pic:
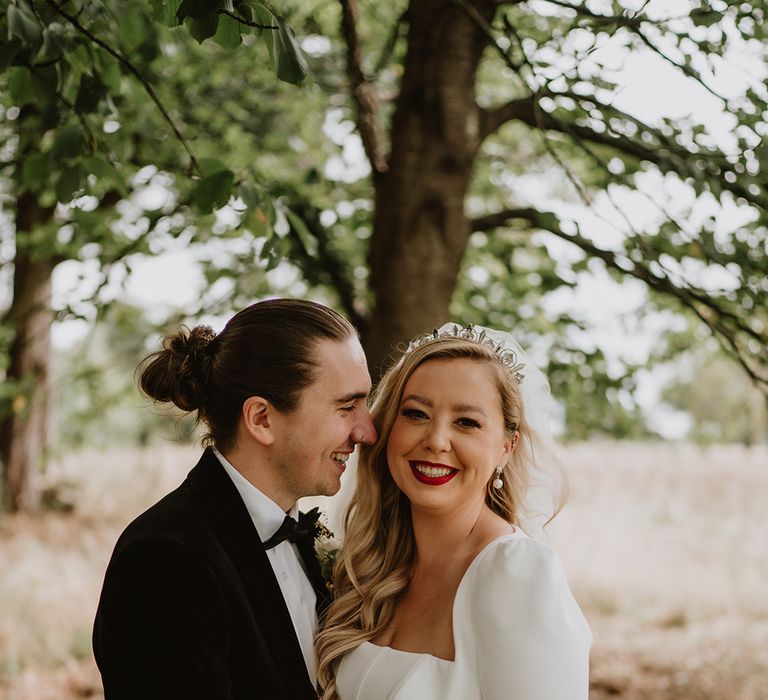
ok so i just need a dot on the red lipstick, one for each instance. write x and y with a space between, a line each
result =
432 480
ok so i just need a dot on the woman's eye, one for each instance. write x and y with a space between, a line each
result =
414 413
347 409
468 423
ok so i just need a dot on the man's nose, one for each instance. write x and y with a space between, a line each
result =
364 432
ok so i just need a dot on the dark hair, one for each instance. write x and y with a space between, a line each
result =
264 350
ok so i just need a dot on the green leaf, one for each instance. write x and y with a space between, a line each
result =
68 143
259 13
706 17
69 183
228 34
20 85
166 12
44 83
131 25
273 251
22 24
80 58
36 170
262 15
214 190
99 166
290 63
308 241
198 9
89 94
202 29
211 166
54 42
109 71
8 51
250 196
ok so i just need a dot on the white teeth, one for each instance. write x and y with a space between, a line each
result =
340 456
432 471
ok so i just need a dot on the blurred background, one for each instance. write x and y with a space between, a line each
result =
588 175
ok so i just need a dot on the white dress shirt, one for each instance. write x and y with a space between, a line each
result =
286 562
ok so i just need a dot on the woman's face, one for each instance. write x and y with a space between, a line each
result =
448 436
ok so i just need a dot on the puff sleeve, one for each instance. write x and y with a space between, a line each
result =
527 636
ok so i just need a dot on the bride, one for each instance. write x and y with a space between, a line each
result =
439 592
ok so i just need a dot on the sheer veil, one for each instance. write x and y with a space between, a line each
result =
547 487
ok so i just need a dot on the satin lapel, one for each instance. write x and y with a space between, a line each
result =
231 522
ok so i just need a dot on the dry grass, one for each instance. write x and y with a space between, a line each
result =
666 548
53 567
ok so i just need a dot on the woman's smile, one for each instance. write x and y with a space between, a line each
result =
431 473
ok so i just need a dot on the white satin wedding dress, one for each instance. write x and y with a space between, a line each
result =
518 635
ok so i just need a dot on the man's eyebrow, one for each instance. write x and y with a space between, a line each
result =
347 398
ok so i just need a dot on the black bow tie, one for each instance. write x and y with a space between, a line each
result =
294 531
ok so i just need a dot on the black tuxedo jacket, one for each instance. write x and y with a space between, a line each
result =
190 607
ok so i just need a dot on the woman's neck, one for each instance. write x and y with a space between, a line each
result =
442 535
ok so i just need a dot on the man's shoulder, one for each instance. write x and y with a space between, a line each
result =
180 513
175 517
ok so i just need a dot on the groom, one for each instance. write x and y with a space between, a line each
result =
211 593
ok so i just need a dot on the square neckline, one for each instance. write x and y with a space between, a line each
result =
517 534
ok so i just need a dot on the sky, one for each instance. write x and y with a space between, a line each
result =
650 89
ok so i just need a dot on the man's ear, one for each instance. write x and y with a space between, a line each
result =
258 419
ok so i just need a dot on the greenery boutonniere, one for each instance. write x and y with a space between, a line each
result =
326 549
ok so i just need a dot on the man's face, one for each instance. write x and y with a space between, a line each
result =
313 442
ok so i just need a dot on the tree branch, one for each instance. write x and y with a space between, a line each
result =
685 69
363 92
503 217
328 268
389 46
487 29
669 156
704 306
83 123
247 22
632 19
150 90
491 120
528 110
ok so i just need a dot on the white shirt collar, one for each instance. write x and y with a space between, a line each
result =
267 516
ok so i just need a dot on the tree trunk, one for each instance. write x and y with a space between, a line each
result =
24 430
420 230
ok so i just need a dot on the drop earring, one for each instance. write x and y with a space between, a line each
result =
498 482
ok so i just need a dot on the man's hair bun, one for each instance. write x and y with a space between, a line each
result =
179 372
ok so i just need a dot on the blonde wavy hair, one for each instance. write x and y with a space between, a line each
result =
373 566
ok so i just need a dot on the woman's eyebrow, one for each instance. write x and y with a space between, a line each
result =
458 408
419 399
468 408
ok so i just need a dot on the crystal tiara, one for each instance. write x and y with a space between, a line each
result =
504 355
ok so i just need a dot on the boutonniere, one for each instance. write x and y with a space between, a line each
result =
326 549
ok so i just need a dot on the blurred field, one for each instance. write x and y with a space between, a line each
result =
666 548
